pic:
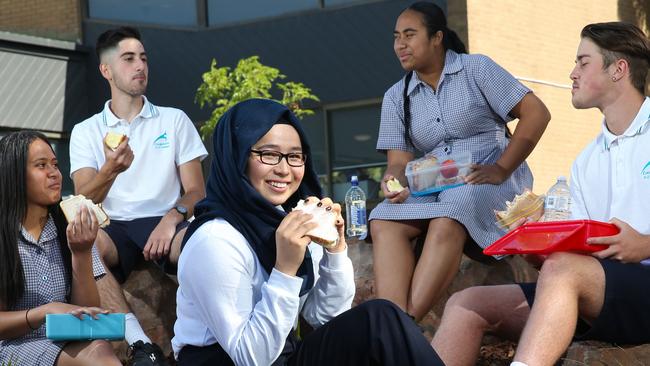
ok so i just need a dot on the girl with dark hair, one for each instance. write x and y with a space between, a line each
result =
448 102
45 267
247 271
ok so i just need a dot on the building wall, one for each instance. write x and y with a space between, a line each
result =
58 19
537 40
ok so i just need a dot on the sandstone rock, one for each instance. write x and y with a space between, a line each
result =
599 353
471 273
152 297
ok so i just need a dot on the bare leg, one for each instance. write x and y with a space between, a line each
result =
93 353
393 259
437 266
569 284
470 313
110 291
175 250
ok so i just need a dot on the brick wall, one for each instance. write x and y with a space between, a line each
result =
58 19
537 40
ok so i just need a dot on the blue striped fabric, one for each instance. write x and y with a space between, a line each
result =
467 112
45 282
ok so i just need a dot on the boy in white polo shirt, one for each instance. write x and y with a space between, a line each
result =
139 183
601 297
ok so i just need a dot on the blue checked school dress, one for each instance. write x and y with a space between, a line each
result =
45 281
467 112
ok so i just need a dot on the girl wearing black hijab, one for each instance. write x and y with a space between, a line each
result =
247 270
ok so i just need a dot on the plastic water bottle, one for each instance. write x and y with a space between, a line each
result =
355 209
557 206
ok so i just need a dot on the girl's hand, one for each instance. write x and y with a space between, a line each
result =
92 311
82 231
291 241
37 315
486 174
393 197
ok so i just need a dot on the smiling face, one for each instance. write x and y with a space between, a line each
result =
125 67
591 82
43 177
412 45
278 182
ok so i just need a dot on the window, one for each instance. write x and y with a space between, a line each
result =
328 3
227 11
353 136
171 12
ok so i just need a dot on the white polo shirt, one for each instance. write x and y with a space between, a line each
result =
611 177
161 139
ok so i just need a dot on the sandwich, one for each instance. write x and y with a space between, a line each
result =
525 205
394 185
72 204
326 233
113 140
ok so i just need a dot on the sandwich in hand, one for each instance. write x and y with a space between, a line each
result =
326 233
527 205
72 204
394 185
113 140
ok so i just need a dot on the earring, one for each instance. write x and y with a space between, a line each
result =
614 79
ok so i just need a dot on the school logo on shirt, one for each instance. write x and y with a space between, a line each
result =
161 141
645 172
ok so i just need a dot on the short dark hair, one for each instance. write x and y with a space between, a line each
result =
112 37
619 40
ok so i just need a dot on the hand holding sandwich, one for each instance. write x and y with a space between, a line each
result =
300 227
119 158
82 231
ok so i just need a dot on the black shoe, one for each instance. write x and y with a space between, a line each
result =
146 354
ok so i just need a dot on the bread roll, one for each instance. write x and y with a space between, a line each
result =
72 204
113 140
326 233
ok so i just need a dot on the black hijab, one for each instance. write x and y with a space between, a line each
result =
230 194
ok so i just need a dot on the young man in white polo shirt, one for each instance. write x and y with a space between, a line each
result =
602 297
139 183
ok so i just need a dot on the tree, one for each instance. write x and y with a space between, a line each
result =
223 88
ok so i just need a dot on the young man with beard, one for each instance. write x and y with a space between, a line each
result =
601 297
139 182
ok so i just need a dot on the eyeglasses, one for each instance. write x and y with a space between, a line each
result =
271 157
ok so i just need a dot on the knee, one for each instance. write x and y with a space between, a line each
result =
466 306
101 353
380 308
559 266
444 229
378 228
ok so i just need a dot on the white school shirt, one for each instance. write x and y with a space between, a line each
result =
226 296
161 138
611 176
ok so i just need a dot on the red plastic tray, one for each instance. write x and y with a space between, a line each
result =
553 236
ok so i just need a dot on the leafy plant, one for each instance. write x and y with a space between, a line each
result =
222 88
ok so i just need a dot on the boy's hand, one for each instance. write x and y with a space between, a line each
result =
628 246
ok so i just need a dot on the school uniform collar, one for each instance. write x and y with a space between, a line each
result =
638 126
48 233
110 120
453 64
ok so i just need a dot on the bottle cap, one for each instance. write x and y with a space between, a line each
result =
561 178
354 180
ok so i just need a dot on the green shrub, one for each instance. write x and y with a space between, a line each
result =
223 88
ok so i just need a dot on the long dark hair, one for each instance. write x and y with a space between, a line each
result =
14 153
434 20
